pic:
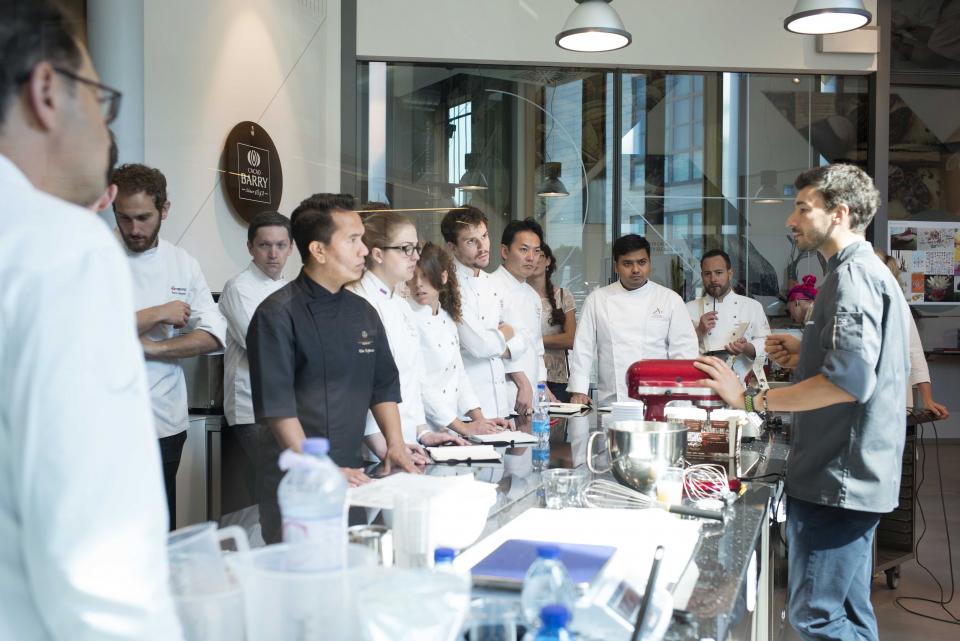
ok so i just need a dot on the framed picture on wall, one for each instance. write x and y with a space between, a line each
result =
928 255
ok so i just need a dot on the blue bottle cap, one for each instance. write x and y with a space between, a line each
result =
444 555
554 616
316 446
541 387
548 552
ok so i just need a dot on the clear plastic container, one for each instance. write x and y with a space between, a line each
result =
546 583
313 503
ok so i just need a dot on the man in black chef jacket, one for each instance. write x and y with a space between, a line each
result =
319 357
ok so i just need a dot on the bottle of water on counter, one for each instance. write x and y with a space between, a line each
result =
313 504
540 428
546 583
553 626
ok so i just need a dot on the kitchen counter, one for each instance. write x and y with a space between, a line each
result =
724 590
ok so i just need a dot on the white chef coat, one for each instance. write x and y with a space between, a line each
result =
83 517
160 275
481 342
620 327
240 298
736 316
919 373
522 310
404 338
447 392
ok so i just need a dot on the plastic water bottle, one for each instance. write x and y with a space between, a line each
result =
541 428
553 626
313 504
546 583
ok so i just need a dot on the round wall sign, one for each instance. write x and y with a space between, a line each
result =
253 178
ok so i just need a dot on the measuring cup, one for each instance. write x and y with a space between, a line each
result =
196 560
217 616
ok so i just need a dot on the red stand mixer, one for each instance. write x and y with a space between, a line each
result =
659 382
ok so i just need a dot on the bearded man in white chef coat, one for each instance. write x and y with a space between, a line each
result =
176 315
633 319
727 324
83 531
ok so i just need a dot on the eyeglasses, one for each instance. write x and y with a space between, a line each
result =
108 97
408 249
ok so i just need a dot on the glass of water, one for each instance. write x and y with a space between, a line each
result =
561 488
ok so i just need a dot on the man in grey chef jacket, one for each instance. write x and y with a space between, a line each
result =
848 424
82 523
319 357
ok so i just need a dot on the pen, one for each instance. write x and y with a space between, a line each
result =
648 591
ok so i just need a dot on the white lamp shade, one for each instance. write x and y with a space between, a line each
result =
593 26
816 17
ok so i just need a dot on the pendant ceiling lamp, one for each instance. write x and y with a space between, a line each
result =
472 179
552 186
827 16
768 194
593 25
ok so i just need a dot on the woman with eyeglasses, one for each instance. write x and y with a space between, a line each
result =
392 241
447 392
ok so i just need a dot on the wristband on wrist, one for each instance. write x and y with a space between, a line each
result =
748 402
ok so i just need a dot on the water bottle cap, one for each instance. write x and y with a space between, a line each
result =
548 552
541 387
316 446
554 616
443 555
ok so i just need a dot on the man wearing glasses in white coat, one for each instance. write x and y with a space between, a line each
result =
82 523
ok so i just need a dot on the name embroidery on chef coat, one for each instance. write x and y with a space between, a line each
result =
178 291
365 344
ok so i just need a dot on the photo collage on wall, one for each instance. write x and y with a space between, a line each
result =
928 254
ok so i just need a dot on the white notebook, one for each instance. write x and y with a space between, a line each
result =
566 408
464 453
504 438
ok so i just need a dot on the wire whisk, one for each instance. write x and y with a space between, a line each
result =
601 493
705 481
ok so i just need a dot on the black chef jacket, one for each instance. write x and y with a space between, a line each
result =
323 358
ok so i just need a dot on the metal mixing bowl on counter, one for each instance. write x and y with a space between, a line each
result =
639 450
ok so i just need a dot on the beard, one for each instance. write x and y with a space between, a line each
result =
812 240
718 291
140 244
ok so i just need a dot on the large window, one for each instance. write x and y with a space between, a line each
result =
693 161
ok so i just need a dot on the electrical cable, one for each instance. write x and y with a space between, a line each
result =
943 603
770 475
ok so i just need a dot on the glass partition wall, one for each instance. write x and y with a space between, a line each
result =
693 161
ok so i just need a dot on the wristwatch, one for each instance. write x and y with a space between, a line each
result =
748 402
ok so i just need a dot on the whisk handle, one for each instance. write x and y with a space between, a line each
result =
686 510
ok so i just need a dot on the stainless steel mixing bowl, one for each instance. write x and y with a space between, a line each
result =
638 450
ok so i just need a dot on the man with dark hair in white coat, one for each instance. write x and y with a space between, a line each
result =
82 520
176 315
